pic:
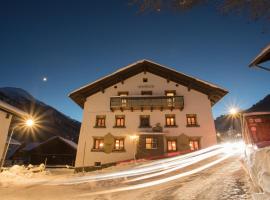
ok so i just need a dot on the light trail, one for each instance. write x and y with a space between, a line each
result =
161 181
180 162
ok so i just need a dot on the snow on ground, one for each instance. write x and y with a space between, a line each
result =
226 180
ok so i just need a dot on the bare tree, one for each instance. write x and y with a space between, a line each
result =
253 9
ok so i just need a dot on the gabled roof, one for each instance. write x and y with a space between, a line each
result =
262 57
12 110
214 92
68 142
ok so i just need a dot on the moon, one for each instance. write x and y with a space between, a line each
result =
44 79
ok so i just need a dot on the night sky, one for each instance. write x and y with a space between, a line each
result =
74 43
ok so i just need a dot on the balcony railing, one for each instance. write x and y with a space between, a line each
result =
147 102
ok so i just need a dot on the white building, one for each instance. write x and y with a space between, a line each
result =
6 113
144 109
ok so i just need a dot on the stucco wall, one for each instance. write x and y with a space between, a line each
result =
4 127
99 104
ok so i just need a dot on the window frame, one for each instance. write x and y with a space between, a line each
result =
192 123
172 116
153 143
100 117
120 139
101 141
191 144
120 117
145 117
172 140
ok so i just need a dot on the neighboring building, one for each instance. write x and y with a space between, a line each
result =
168 112
54 151
263 57
6 113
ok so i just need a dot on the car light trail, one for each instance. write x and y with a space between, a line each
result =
160 181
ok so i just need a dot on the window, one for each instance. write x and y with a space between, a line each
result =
171 94
119 144
146 92
120 121
145 80
100 121
144 121
150 143
123 100
171 145
98 144
194 145
192 120
170 120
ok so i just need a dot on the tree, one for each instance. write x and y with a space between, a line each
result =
253 9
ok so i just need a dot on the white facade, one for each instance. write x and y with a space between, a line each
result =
98 104
6 113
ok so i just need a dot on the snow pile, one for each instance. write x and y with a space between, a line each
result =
19 174
258 164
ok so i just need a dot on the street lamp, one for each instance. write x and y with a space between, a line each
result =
234 112
29 123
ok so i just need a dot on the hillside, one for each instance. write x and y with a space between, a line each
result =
223 123
51 121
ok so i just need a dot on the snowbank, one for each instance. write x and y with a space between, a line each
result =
258 165
18 174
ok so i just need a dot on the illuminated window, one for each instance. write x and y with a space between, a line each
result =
150 143
119 144
100 121
120 121
171 145
171 100
191 120
98 144
144 121
170 93
194 145
170 120
123 100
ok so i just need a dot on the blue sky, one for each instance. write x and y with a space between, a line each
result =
76 42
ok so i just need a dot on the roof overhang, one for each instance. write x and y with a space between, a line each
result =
12 110
214 92
263 56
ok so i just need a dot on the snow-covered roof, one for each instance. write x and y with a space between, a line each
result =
263 56
12 110
30 146
214 92
68 142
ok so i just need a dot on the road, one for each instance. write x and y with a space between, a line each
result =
222 181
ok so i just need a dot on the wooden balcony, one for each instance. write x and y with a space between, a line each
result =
147 103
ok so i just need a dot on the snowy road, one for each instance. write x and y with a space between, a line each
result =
223 180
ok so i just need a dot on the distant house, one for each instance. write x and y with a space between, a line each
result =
6 113
145 109
54 151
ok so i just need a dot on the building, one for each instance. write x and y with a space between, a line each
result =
54 151
146 110
261 58
6 113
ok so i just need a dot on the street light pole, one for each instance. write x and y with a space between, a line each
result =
6 149
28 123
